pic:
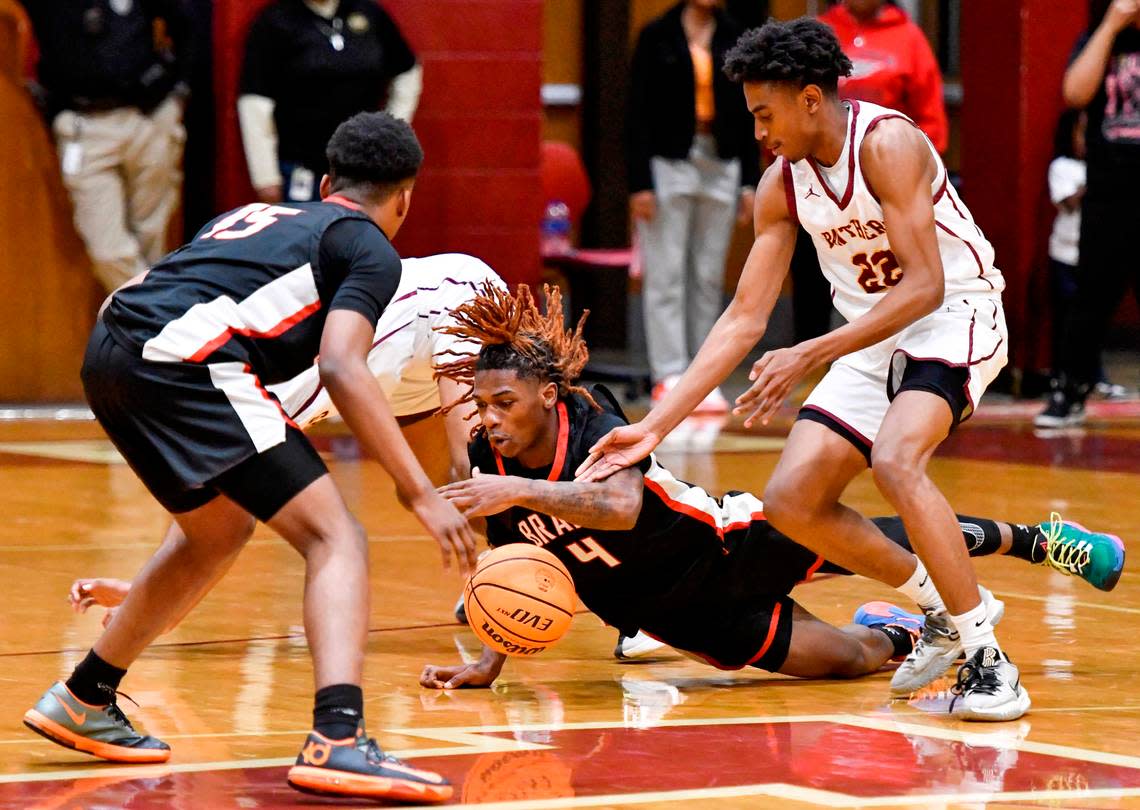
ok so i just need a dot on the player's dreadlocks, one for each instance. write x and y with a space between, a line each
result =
515 334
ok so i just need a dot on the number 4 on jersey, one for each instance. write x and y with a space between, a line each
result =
588 549
257 216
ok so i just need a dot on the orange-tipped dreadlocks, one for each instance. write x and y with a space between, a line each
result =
538 342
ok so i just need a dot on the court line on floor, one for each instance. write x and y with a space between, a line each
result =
154 544
823 798
245 639
1093 605
473 740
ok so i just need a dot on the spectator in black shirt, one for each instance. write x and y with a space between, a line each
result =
309 64
115 99
693 169
1103 78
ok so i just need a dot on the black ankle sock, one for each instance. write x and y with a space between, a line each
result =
982 536
1028 543
94 681
902 640
337 709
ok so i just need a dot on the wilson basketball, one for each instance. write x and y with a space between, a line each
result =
520 600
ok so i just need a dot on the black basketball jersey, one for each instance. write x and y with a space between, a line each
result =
255 286
679 555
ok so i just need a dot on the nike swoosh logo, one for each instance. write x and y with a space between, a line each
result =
923 583
979 623
79 718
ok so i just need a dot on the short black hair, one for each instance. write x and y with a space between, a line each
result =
374 152
805 51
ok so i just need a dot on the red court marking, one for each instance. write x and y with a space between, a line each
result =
1082 450
594 762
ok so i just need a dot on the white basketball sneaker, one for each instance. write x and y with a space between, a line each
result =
989 688
637 646
937 649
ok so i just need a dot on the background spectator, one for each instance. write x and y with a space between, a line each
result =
310 64
115 100
1104 78
894 64
693 167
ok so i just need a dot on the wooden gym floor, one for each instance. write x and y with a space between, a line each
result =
230 689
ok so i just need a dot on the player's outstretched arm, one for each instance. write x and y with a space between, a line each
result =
737 330
345 374
612 504
480 674
900 168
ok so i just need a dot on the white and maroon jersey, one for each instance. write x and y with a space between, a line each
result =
408 342
845 220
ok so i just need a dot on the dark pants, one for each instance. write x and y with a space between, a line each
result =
1109 265
811 292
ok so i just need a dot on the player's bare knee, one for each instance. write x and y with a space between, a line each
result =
894 469
852 660
786 508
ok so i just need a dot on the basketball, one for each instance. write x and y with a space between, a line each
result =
520 600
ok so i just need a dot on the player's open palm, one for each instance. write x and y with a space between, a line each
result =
454 677
449 528
774 376
620 448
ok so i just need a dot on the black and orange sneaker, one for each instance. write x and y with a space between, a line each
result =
357 767
102 731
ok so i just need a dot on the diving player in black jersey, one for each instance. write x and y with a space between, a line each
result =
707 576
175 372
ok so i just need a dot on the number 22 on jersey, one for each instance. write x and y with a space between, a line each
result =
877 271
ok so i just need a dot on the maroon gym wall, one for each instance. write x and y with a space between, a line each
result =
479 120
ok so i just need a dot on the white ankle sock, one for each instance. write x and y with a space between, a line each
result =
975 629
920 590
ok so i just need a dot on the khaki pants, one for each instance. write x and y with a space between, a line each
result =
123 171
684 250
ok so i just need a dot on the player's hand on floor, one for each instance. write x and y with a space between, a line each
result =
481 495
101 591
454 677
449 528
620 448
773 377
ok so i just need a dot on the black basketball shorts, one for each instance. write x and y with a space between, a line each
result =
192 431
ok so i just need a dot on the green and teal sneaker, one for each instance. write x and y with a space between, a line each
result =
102 731
1072 549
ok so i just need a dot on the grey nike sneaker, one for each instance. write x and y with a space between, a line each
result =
937 649
102 731
989 688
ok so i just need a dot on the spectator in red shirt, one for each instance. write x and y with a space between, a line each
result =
894 65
